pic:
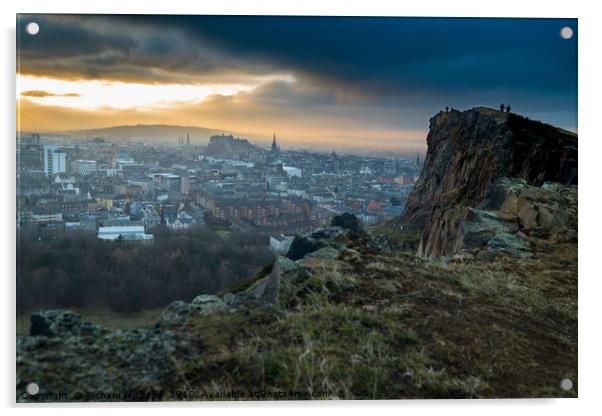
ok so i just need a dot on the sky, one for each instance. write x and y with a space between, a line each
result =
314 81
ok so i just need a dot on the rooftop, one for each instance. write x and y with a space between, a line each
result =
121 229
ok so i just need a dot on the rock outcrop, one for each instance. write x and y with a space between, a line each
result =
308 243
512 213
67 355
467 152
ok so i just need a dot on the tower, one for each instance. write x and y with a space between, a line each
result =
188 139
274 145
417 160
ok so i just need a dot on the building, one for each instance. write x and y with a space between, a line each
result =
184 185
41 215
126 233
54 160
104 201
292 171
30 152
84 167
65 185
146 185
167 181
123 159
182 221
134 171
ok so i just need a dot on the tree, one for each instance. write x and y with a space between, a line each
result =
80 270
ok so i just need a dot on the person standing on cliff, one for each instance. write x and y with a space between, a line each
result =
502 108
508 108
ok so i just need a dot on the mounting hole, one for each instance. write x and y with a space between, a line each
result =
566 384
32 389
566 32
32 28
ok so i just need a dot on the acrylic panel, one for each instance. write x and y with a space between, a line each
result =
295 208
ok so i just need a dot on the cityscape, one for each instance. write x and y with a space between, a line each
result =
124 191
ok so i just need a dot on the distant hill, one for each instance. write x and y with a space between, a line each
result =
156 133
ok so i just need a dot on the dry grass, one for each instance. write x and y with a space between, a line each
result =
394 326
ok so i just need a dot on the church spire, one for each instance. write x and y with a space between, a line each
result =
274 145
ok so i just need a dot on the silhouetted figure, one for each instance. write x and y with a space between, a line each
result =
447 109
508 108
502 108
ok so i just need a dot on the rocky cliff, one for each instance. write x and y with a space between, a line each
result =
467 152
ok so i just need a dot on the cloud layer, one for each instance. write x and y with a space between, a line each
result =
42 94
373 74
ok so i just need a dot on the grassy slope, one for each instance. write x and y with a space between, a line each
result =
395 326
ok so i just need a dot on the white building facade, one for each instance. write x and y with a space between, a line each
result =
84 167
127 233
54 160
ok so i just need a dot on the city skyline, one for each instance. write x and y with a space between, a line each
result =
318 81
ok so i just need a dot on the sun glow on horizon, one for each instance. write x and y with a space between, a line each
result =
57 105
98 94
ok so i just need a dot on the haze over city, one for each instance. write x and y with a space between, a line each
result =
325 81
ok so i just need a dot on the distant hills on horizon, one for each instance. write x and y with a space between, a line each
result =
156 133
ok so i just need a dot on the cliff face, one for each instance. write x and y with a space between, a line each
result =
467 152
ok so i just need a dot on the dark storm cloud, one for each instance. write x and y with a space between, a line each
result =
447 53
403 53
60 40
110 48
415 63
418 64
